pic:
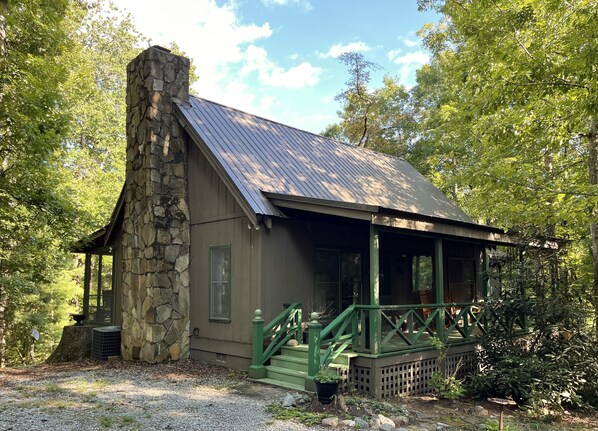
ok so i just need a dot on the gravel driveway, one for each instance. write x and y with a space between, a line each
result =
183 396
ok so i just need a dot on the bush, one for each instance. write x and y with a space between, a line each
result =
554 365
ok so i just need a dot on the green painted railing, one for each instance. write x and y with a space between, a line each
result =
268 339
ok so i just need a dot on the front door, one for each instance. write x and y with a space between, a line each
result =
337 281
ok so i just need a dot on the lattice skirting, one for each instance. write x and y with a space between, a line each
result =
409 374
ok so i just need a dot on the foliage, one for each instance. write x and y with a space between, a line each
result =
507 109
378 119
62 113
294 413
554 365
445 386
324 376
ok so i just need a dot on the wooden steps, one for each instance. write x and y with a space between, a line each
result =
289 368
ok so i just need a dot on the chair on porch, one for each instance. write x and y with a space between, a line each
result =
423 299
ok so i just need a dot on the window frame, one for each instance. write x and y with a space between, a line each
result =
212 282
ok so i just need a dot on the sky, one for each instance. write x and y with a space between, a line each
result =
279 58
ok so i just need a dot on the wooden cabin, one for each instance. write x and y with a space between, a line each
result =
224 213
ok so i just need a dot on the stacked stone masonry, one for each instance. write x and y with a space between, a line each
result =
155 281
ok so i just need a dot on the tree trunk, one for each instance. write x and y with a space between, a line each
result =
593 177
3 10
3 306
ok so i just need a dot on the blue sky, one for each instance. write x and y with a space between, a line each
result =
278 58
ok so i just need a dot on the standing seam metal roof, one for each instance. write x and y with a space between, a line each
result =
260 155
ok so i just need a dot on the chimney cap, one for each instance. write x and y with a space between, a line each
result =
160 48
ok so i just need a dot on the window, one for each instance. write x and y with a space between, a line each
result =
220 275
422 270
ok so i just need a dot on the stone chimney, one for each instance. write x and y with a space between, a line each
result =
155 281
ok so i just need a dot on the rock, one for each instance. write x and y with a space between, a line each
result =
347 423
441 427
289 401
388 406
340 403
292 342
360 423
387 427
400 420
480 411
330 422
385 421
374 422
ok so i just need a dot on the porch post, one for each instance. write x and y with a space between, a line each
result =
257 369
486 273
439 286
375 329
86 285
313 351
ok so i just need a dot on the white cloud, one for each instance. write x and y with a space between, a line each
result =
410 42
305 4
338 49
408 62
269 73
392 54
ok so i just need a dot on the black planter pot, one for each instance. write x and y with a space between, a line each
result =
326 391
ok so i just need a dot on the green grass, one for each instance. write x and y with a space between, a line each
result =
53 388
106 421
294 413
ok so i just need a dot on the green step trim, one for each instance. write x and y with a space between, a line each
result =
290 362
302 350
286 375
280 384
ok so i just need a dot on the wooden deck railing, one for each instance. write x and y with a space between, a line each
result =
374 330
268 339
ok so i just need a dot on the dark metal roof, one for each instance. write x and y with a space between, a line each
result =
259 155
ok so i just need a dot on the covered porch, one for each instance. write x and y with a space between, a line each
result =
421 280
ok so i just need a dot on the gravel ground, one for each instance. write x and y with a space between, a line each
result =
130 396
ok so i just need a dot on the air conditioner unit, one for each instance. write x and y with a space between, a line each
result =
105 342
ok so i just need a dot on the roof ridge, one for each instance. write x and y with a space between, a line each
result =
298 129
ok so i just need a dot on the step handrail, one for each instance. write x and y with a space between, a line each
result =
269 339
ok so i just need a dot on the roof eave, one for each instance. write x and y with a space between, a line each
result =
217 166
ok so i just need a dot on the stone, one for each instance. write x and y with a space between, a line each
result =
360 423
163 313
441 427
164 236
400 420
182 263
171 253
292 342
288 401
159 211
346 423
387 427
374 422
385 421
175 351
480 411
330 422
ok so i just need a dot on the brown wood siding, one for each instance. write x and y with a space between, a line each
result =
209 199
217 219
287 266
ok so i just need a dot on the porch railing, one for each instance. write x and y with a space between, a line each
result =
268 339
374 330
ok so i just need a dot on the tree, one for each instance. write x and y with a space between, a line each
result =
377 119
32 126
512 127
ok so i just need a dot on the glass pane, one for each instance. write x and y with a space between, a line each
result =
220 274
350 279
220 303
327 269
422 273
326 295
